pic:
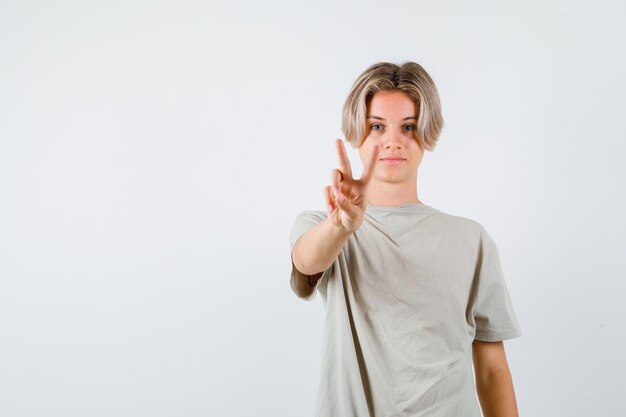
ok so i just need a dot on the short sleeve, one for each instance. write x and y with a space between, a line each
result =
304 221
494 315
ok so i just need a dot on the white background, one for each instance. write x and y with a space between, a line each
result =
154 155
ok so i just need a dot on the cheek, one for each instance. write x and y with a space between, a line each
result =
365 150
417 153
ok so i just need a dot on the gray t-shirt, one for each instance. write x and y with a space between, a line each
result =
409 292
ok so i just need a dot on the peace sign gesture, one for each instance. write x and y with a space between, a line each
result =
346 197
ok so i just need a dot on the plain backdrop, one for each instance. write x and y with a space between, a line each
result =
154 156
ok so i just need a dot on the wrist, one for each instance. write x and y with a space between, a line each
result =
339 230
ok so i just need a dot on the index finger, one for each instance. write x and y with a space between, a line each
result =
344 162
368 172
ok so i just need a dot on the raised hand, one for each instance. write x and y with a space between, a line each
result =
346 197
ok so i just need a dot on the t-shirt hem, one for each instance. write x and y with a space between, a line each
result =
498 337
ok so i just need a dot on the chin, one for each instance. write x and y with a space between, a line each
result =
392 179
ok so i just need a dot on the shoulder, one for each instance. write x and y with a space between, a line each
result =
304 221
318 215
309 218
465 226
461 222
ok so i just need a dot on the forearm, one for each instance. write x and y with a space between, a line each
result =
318 248
496 394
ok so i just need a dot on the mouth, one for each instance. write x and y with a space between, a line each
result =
392 160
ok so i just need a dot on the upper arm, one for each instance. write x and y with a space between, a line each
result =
488 357
300 282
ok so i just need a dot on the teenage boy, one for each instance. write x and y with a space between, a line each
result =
414 296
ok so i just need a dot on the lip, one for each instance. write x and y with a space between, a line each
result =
393 160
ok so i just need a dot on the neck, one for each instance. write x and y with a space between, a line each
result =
392 194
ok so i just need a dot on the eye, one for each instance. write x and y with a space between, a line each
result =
376 126
408 127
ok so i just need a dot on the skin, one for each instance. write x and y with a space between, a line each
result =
391 121
494 384
390 124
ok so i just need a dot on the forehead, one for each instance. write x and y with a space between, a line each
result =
391 104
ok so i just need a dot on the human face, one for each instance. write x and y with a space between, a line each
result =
391 122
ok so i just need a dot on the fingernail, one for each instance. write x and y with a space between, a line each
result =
341 198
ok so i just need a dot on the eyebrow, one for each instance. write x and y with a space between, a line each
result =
380 118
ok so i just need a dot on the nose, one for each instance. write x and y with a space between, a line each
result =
392 140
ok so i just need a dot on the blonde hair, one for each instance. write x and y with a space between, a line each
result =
410 78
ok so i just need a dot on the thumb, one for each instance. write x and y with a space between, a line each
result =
346 206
